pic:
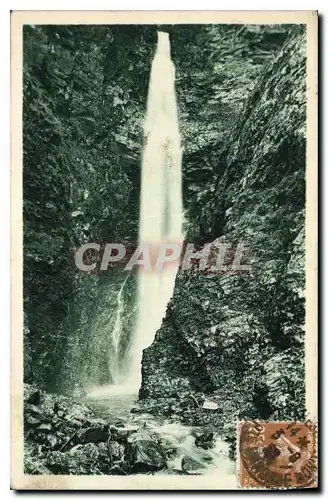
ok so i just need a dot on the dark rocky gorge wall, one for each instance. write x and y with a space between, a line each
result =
238 340
85 90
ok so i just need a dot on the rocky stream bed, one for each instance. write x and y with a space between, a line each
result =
64 436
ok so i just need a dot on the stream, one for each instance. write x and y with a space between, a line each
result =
113 403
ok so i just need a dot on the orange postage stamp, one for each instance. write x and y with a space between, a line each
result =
277 454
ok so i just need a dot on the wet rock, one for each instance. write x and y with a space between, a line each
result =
115 451
61 435
56 407
95 422
82 459
205 440
146 456
66 408
32 396
144 452
52 441
76 423
104 459
103 449
93 434
142 434
191 466
121 434
33 422
58 462
32 463
44 428
170 451
89 451
136 409
32 410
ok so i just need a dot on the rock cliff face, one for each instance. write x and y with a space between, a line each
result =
238 339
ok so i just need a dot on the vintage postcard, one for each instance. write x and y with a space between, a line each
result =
164 250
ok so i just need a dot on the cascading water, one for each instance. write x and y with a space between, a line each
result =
161 215
161 199
114 358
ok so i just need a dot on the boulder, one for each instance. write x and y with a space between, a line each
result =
87 452
82 459
52 441
103 449
95 422
136 409
115 451
121 434
205 440
44 428
32 410
192 466
33 421
57 462
104 460
76 423
66 408
94 434
32 462
144 452
32 395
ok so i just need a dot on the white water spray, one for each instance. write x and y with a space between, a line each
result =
160 218
161 199
114 360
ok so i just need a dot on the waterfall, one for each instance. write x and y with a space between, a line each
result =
114 359
160 221
161 199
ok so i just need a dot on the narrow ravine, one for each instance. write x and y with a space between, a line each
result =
188 449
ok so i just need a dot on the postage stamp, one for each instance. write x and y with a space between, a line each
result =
277 454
